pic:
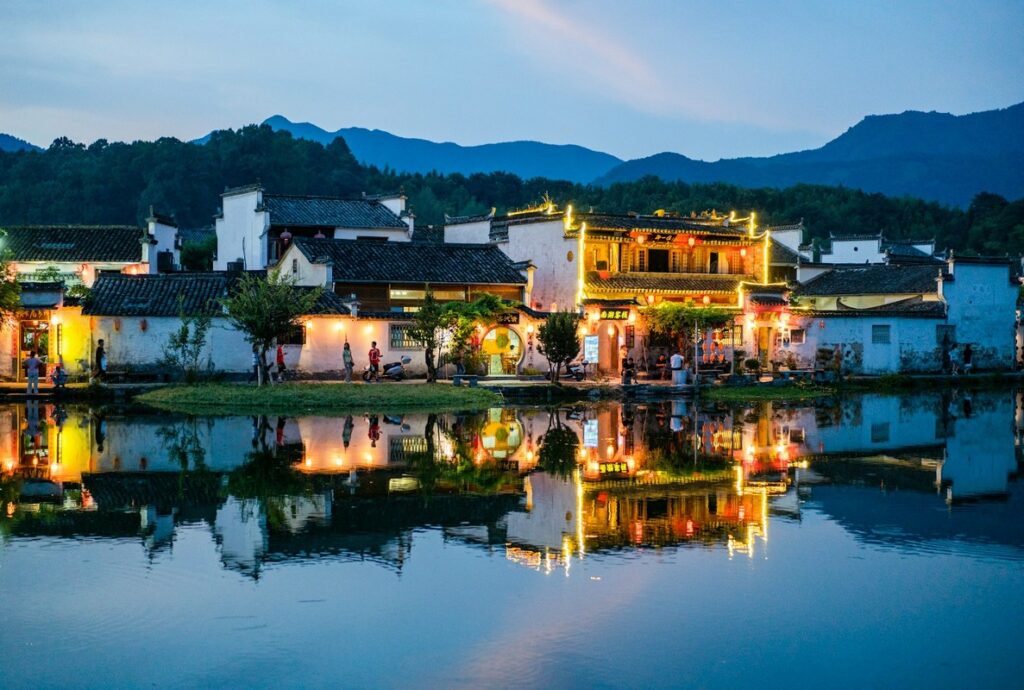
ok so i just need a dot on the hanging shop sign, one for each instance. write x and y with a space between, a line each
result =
630 336
508 318
614 314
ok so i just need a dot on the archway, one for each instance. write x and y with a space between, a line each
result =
503 350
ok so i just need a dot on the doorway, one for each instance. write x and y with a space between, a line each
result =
503 350
33 335
764 341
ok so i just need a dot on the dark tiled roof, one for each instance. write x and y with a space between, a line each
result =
763 300
155 295
913 307
664 283
75 243
779 253
196 235
36 295
429 234
608 221
321 211
875 279
329 303
458 220
356 261
905 252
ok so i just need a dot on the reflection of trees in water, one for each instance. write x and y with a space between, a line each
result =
184 444
558 447
461 468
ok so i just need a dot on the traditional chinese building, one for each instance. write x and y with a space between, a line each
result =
254 227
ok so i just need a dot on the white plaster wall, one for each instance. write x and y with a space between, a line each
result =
854 252
295 264
468 233
913 347
792 238
166 237
983 306
241 231
980 455
545 244
128 345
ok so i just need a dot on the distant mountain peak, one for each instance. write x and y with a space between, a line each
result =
9 142
527 159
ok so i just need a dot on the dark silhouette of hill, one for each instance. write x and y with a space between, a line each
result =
526 159
12 143
934 156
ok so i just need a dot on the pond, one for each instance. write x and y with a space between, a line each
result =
871 541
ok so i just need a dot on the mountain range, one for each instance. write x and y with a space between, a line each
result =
934 156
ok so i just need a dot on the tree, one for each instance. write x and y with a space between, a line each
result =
559 341
265 307
184 348
10 289
558 448
198 256
680 321
435 323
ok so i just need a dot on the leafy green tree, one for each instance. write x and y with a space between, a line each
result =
680 321
435 322
559 341
198 256
265 307
184 348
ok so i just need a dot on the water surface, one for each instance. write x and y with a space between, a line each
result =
877 541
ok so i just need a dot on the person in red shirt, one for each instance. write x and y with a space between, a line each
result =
280 363
374 361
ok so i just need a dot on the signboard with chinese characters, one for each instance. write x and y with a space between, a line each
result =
630 336
614 314
590 349
508 318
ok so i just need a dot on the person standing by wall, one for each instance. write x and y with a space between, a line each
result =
347 361
281 368
32 366
374 361
676 365
99 367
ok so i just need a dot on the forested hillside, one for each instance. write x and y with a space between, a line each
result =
117 183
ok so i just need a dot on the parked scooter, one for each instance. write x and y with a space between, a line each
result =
394 371
575 370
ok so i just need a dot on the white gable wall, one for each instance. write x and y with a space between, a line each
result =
242 231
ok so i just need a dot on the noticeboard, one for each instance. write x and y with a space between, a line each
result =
590 349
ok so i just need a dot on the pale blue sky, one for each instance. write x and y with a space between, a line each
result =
709 80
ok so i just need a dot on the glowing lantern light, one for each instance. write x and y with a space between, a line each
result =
691 241
743 252
706 300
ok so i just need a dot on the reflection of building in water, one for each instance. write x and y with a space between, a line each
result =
573 516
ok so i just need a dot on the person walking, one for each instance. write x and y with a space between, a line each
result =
281 368
32 366
346 359
374 361
968 358
99 367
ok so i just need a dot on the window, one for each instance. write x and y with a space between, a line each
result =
797 336
293 336
674 262
405 295
399 338
657 260
295 267
713 262
641 260
402 449
880 334
945 335
880 432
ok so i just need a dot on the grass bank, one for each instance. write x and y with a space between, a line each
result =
890 384
317 398
756 393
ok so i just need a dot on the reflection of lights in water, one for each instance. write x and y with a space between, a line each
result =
368 458
309 462
11 508
338 460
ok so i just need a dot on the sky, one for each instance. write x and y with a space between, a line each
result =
709 80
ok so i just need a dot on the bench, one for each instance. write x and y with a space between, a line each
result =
470 379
